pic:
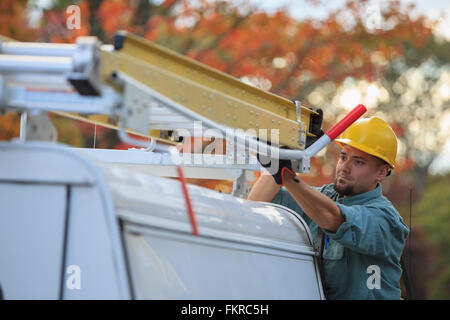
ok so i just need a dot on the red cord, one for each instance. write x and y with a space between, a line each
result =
282 175
188 201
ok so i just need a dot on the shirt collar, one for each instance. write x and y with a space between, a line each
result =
361 198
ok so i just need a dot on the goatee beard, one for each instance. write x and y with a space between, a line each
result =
343 191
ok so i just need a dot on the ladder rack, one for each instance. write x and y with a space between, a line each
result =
33 68
138 86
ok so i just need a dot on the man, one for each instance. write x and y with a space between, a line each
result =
364 234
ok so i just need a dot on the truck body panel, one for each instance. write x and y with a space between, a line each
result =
126 234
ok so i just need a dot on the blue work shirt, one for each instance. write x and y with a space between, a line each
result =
370 240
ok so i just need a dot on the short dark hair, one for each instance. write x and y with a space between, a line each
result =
382 162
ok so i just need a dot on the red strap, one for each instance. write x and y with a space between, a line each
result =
282 174
188 201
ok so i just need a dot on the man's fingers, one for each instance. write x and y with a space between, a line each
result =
287 173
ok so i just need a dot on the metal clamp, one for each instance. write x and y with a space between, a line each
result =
301 130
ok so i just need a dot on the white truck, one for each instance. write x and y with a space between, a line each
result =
80 223
75 228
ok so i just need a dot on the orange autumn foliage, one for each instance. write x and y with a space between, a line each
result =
240 42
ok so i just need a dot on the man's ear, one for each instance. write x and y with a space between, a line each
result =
383 171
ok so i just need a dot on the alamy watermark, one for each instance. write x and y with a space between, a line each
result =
73 20
374 280
73 281
202 146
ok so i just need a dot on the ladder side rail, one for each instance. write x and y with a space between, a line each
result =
249 143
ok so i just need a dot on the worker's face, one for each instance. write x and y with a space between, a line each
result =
358 172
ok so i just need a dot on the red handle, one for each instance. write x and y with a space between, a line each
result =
339 127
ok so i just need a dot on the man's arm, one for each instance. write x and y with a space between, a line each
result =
264 189
321 209
317 206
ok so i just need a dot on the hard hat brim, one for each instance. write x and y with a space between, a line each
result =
341 142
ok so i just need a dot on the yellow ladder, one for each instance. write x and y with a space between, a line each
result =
206 91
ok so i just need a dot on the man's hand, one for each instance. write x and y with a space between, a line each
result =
276 167
287 173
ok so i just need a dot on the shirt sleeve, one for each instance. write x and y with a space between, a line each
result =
365 230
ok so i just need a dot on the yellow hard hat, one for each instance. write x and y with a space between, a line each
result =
373 136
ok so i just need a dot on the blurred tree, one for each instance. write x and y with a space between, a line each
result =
235 37
53 27
83 134
9 126
433 212
417 104
296 59
14 20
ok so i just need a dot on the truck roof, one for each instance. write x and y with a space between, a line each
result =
157 202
